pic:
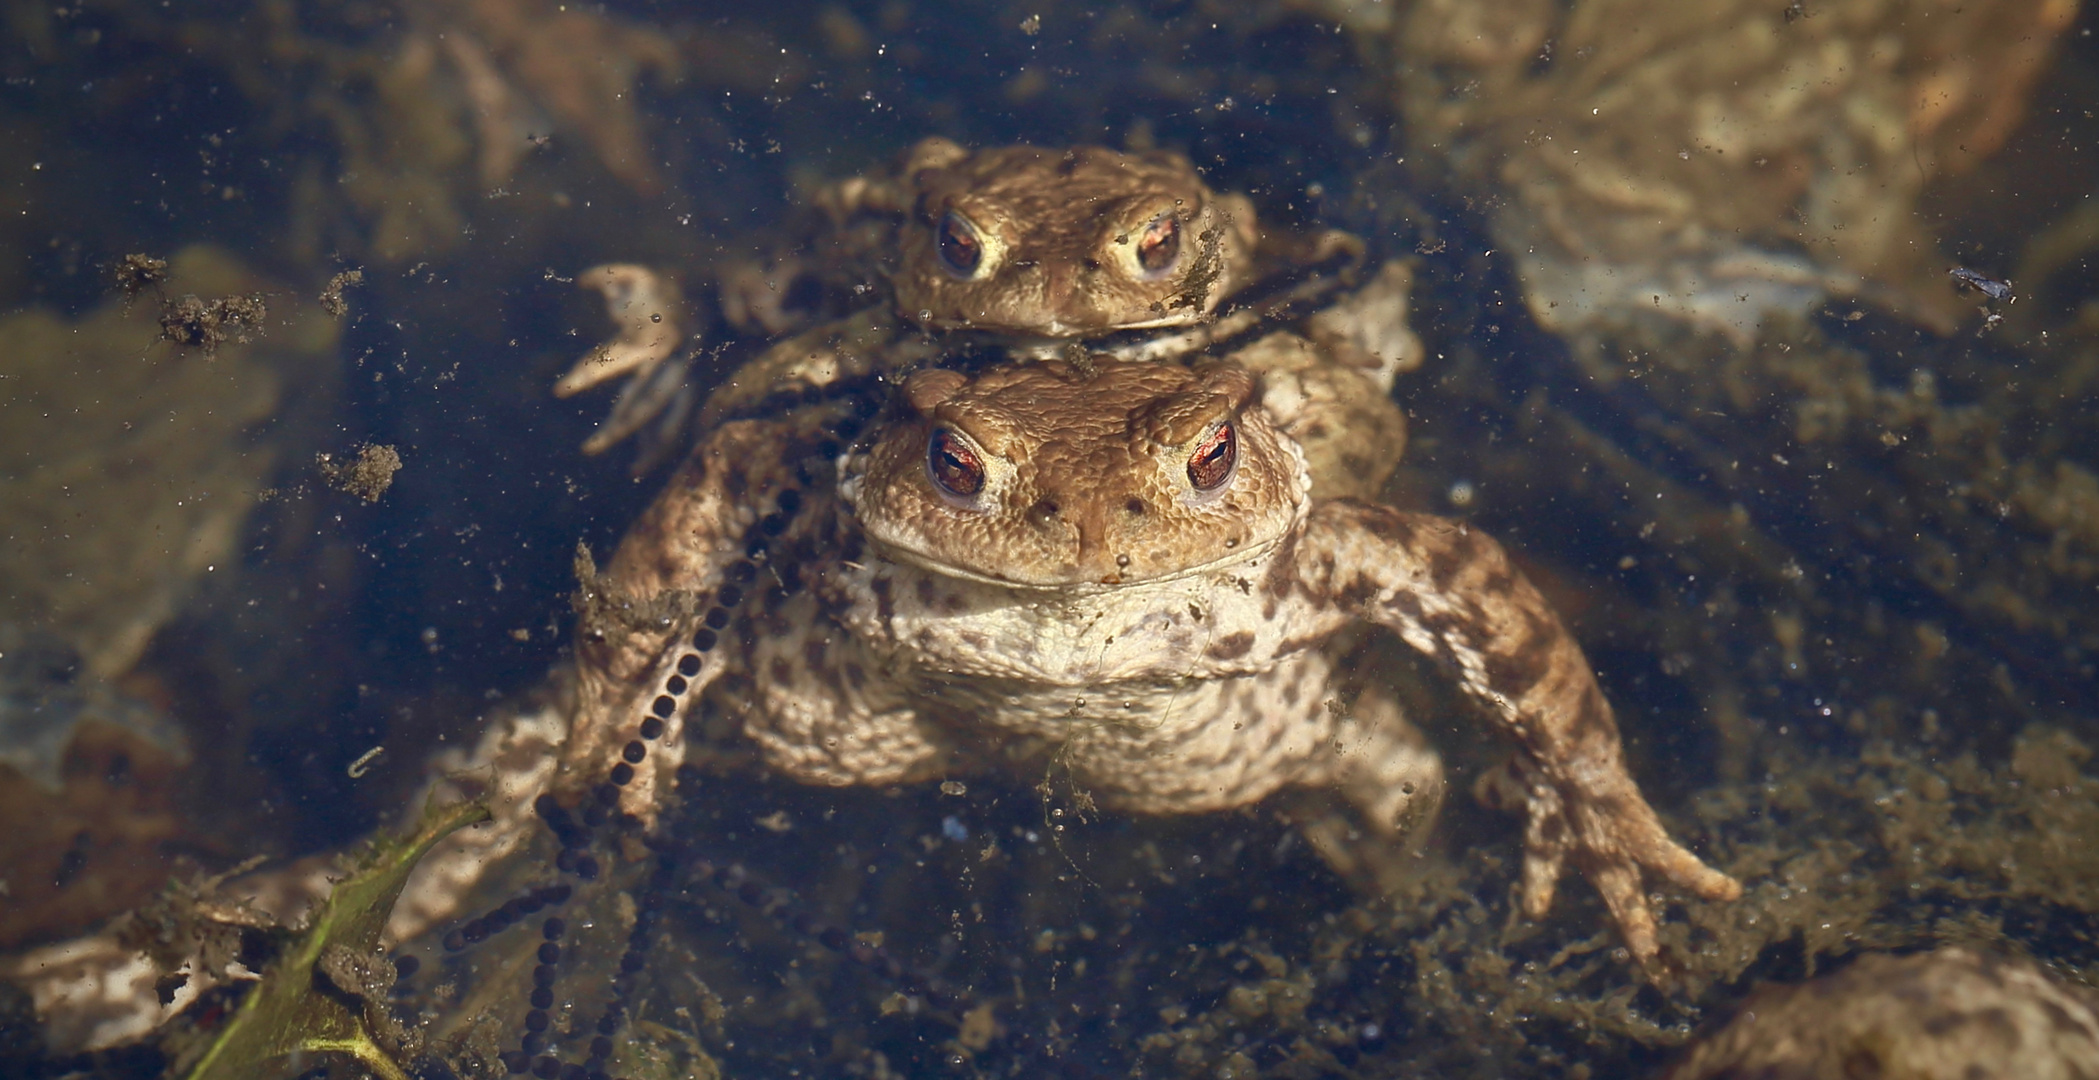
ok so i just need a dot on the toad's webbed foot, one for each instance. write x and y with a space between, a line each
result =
1615 840
648 352
1450 591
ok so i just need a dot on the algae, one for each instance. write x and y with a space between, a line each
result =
1062 936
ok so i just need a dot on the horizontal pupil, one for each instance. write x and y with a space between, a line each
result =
1210 463
959 245
955 467
1159 245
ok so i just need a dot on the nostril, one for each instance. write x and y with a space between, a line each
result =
1136 507
1044 510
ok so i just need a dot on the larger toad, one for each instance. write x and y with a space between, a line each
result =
1118 563
1023 251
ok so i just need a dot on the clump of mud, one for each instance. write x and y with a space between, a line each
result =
367 475
194 323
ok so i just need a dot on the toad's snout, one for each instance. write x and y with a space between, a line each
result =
1069 303
1091 531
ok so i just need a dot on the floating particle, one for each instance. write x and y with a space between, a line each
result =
1989 286
364 761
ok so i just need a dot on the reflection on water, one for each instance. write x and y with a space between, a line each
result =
1677 281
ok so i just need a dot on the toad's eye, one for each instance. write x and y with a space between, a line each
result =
1210 466
961 247
1160 246
953 466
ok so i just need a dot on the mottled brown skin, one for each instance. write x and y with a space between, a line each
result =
1091 599
1056 445
1062 228
1059 239
1951 1014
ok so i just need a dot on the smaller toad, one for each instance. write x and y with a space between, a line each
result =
1057 244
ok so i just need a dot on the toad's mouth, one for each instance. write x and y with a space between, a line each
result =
1088 577
1045 337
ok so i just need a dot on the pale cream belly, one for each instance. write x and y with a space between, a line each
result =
823 708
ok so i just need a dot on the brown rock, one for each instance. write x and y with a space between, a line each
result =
1945 1015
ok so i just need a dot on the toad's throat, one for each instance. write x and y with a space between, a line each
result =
1082 577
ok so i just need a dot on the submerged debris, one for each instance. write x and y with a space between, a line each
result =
366 476
1668 161
194 929
88 784
195 323
332 300
1989 286
136 273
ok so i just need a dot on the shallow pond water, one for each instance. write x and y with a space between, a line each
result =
1823 514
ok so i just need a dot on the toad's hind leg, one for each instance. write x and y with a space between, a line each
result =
1383 769
1386 769
1450 591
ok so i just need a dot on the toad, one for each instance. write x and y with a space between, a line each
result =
1025 252
1118 565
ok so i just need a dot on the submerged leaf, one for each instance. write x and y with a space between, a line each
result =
303 1003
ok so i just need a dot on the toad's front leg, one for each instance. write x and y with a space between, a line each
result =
1451 592
653 629
814 362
